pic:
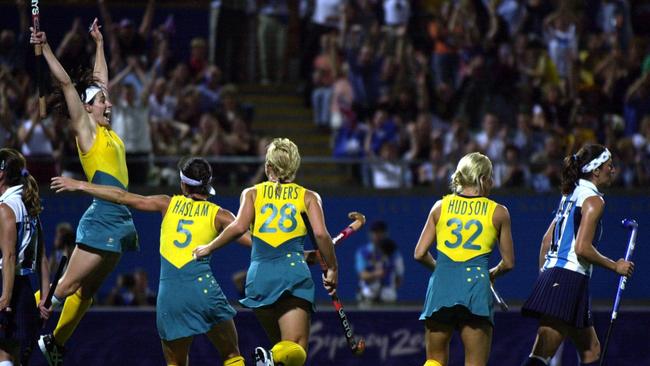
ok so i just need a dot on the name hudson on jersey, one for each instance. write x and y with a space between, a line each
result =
462 207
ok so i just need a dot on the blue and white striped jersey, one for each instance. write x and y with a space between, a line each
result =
27 231
562 252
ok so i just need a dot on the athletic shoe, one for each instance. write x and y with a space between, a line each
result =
53 352
263 357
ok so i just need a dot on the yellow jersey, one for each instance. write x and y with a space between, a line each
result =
277 213
187 224
465 229
105 162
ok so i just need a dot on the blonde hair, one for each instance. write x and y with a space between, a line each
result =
472 169
283 158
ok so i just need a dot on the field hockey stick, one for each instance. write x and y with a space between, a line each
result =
357 346
632 225
499 299
55 281
38 52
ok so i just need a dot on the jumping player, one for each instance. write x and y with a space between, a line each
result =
106 229
465 226
560 297
21 242
188 220
279 287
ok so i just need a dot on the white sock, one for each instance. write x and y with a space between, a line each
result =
6 363
56 304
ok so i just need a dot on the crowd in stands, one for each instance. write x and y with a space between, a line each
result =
163 105
407 85
412 86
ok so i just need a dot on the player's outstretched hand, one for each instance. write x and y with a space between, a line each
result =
94 31
201 251
37 37
62 184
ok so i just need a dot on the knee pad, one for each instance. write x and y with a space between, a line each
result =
432 363
289 353
235 361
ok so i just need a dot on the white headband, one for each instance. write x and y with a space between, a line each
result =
196 183
598 161
90 93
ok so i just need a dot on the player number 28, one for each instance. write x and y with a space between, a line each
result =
286 222
458 227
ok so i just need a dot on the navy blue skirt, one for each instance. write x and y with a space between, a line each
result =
561 294
23 323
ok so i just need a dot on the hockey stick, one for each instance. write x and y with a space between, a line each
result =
357 346
499 299
55 281
57 276
38 52
628 224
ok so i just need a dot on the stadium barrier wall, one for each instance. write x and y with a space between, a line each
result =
405 216
393 338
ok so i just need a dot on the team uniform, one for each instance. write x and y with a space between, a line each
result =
277 264
562 288
23 322
190 302
459 286
106 225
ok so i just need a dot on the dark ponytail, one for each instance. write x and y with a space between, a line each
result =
84 79
572 169
197 169
14 165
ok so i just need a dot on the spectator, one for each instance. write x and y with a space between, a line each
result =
36 137
130 118
272 39
122 293
323 79
380 267
388 172
64 242
144 296
511 173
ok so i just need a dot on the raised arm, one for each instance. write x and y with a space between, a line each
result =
427 238
501 220
79 120
109 193
100 71
147 19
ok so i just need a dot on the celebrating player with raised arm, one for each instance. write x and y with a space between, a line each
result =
188 220
106 229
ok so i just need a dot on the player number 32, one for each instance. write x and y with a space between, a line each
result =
458 226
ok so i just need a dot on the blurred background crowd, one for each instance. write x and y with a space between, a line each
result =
402 87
